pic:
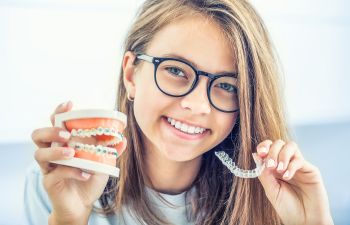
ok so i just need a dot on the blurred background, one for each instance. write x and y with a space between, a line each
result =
52 51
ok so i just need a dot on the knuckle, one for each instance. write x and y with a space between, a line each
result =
292 144
282 156
317 170
280 142
34 134
264 143
37 155
55 130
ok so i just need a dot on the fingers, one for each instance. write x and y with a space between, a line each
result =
64 107
62 173
282 158
44 155
288 154
272 158
43 137
293 166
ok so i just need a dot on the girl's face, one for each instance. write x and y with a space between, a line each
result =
199 41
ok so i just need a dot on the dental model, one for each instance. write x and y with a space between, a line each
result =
96 136
227 161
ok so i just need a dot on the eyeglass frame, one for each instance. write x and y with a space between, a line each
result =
156 61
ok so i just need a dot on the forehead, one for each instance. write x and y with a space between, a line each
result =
198 39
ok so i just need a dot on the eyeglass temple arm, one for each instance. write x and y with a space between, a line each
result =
145 57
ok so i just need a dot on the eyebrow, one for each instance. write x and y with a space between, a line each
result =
170 55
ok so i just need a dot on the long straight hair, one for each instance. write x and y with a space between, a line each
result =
219 198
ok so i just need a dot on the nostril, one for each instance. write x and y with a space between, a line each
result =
197 107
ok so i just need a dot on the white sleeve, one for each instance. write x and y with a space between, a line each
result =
37 206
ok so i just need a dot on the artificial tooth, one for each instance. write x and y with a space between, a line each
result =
99 131
71 144
88 133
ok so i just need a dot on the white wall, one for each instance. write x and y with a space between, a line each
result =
312 39
53 51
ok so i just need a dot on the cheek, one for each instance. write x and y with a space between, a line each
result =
226 125
149 105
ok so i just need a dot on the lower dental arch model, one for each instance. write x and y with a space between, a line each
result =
227 161
96 136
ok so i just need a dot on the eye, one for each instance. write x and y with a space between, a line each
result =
176 71
228 87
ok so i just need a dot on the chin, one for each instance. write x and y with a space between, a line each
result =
181 156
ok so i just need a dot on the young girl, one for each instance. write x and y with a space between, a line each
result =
198 76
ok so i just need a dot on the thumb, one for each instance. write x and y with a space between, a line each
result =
64 107
268 180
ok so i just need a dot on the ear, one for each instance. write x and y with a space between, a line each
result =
129 73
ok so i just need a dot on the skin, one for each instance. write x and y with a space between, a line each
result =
171 163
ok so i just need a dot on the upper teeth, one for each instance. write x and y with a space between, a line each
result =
185 127
96 131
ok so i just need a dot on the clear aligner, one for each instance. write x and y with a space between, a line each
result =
227 161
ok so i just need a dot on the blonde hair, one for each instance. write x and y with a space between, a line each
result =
220 198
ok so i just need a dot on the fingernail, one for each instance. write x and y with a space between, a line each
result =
64 134
68 152
65 104
270 163
280 166
85 175
286 174
262 150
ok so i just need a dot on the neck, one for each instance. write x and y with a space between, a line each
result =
170 177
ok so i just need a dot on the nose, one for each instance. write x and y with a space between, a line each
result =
197 100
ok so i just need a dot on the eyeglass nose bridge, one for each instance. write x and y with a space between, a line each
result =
202 73
211 77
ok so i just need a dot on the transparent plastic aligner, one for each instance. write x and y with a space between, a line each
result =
227 161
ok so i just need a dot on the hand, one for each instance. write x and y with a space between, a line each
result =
71 191
293 186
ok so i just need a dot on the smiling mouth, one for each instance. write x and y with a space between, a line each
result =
185 128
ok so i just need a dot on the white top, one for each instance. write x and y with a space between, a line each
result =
37 206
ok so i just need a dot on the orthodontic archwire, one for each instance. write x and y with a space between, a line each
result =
227 161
